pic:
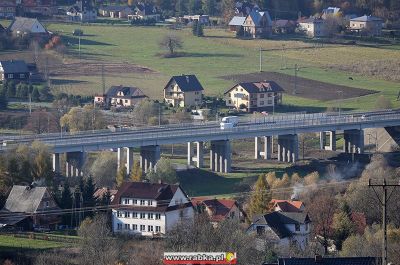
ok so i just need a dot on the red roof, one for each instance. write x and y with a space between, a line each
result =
219 207
288 205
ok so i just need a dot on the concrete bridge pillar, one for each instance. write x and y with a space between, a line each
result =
74 164
263 151
198 156
149 156
332 140
353 141
220 156
288 148
56 163
129 158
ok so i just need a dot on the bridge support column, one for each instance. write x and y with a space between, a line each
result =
74 163
149 156
220 156
332 140
353 141
56 163
266 150
288 148
198 156
129 159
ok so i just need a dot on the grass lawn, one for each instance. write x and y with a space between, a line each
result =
9 243
219 54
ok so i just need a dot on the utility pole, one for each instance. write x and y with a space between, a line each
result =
383 203
159 114
103 80
296 69
260 60
79 47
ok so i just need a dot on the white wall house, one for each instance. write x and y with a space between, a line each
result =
283 228
149 209
313 27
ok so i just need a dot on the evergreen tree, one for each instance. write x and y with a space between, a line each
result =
199 30
209 7
35 94
88 192
11 90
136 172
3 99
45 94
260 197
66 203
121 175
13 170
194 27
180 8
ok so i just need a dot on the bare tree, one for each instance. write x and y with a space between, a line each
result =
171 43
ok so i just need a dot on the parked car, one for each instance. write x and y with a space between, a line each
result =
77 32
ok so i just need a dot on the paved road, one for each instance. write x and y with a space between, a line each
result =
268 125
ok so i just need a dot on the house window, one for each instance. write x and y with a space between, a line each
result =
229 94
229 101
142 228
134 215
119 226
297 227
47 204
261 95
127 227
10 76
21 75
134 227
232 214
260 230
142 202
135 201
126 214
150 216
269 102
126 201
126 101
261 103
142 215
150 202
158 228
158 216
119 214
150 228
306 227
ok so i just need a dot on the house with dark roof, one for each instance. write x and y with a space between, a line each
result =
24 25
183 91
145 11
120 96
283 26
258 24
319 260
254 96
8 9
82 11
368 25
14 70
292 206
29 201
219 209
149 209
283 228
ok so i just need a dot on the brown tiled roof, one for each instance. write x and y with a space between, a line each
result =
219 207
288 205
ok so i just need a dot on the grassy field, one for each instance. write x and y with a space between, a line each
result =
9 243
219 54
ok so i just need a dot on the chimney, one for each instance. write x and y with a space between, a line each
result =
187 78
318 259
293 197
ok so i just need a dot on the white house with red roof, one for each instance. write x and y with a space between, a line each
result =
291 206
219 209
149 209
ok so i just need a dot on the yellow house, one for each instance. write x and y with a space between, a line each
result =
183 91
369 24
254 96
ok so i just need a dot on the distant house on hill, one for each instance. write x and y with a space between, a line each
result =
8 9
283 26
24 25
82 11
183 91
16 70
116 11
219 209
145 11
254 96
258 24
312 27
29 201
37 8
369 25
330 11
283 228
149 209
287 206
120 96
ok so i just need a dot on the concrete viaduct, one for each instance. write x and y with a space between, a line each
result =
286 128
